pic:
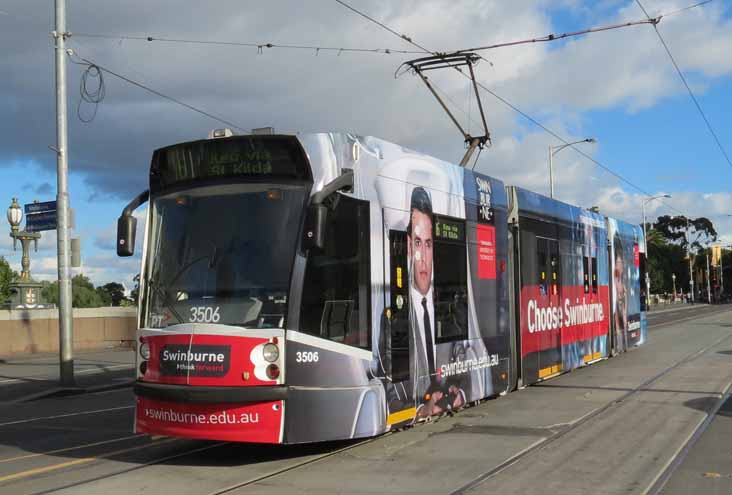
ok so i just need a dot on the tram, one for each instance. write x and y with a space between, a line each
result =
331 286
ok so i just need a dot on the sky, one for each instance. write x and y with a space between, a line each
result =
618 87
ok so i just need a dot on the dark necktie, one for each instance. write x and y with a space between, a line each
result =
428 337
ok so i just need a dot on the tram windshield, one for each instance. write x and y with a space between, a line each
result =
223 254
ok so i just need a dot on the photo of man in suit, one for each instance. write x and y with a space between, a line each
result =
620 288
432 395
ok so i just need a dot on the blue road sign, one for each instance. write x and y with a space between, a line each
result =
45 216
37 222
39 226
40 207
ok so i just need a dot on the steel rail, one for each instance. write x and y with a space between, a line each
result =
541 444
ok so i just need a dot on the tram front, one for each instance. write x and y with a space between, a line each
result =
222 230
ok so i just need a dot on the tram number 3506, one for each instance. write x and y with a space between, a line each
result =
204 314
306 357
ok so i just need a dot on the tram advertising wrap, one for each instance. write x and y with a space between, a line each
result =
626 249
331 286
564 294
437 286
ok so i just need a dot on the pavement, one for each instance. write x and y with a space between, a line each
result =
34 376
653 420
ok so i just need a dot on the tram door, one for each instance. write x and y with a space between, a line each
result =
550 359
400 395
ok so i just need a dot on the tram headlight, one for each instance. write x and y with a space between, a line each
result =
145 351
270 352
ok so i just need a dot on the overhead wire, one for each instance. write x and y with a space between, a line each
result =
92 96
495 95
514 107
678 11
555 37
259 46
106 70
686 84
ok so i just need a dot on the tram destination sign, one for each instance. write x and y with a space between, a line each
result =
449 229
277 157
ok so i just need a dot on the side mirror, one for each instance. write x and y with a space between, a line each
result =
316 219
126 229
127 226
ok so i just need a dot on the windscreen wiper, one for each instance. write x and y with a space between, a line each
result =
162 294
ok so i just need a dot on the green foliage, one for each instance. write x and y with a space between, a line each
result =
135 292
664 261
701 231
49 292
667 250
85 295
112 293
7 275
104 296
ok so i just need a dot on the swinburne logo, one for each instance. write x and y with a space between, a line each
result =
198 360
555 317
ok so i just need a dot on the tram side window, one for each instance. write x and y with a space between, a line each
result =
450 280
586 273
541 254
547 252
554 267
337 286
594 274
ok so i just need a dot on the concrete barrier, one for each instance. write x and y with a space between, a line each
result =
36 331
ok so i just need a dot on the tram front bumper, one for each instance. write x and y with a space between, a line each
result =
238 414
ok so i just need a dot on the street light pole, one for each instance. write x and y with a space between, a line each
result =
645 242
553 150
709 288
65 316
691 263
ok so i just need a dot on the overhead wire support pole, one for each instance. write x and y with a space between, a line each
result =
65 311
442 103
454 61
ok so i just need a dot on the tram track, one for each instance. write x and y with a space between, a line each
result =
152 462
296 464
218 491
546 442
537 446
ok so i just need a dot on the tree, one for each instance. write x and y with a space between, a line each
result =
112 293
667 249
673 229
135 292
84 295
7 276
104 296
655 238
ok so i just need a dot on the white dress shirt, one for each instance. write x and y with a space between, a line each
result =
416 300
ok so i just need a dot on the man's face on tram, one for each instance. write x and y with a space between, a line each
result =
419 250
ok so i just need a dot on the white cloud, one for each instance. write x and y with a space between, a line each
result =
623 70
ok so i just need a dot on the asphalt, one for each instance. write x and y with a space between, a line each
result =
30 377
641 422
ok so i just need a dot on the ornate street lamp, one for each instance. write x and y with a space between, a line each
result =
27 291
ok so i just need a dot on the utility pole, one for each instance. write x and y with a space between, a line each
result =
709 287
65 315
691 263
721 274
